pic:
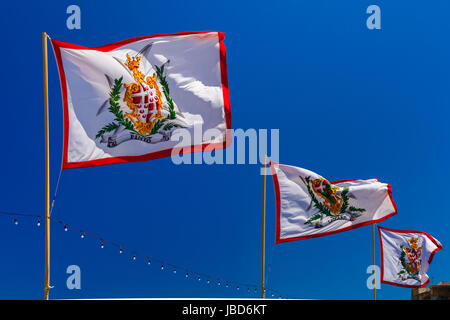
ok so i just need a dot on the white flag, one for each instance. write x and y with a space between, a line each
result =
130 100
406 256
310 206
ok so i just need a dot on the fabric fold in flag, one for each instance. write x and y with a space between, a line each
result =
310 206
406 256
130 100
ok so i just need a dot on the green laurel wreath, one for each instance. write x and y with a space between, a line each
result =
114 107
403 262
324 211
165 86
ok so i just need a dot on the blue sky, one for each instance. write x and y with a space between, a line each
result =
349 102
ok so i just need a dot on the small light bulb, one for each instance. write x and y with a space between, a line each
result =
237 288
199 279
207 281
134 257
174 271
162 267
102 245
226 285
149 262
16 222
65 228
39 223
218 283
82 236
120 251
187 275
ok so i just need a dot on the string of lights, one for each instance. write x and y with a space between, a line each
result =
163 265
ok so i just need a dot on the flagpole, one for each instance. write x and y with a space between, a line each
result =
373 262
263 242
47 172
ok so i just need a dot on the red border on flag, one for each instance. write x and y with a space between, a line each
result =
438 245
278 208
57 45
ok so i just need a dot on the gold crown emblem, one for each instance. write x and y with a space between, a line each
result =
413 243
132 63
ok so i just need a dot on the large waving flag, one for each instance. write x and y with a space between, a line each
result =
124 101
406 256
310 206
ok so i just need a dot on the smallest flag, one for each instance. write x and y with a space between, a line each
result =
406 256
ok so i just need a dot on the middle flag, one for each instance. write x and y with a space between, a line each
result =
310 206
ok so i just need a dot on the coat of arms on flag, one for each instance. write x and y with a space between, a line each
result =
406 256
309 205
146 114
334 202
410 259
124 101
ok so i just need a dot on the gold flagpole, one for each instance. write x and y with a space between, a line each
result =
373 262
47 172
263 242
